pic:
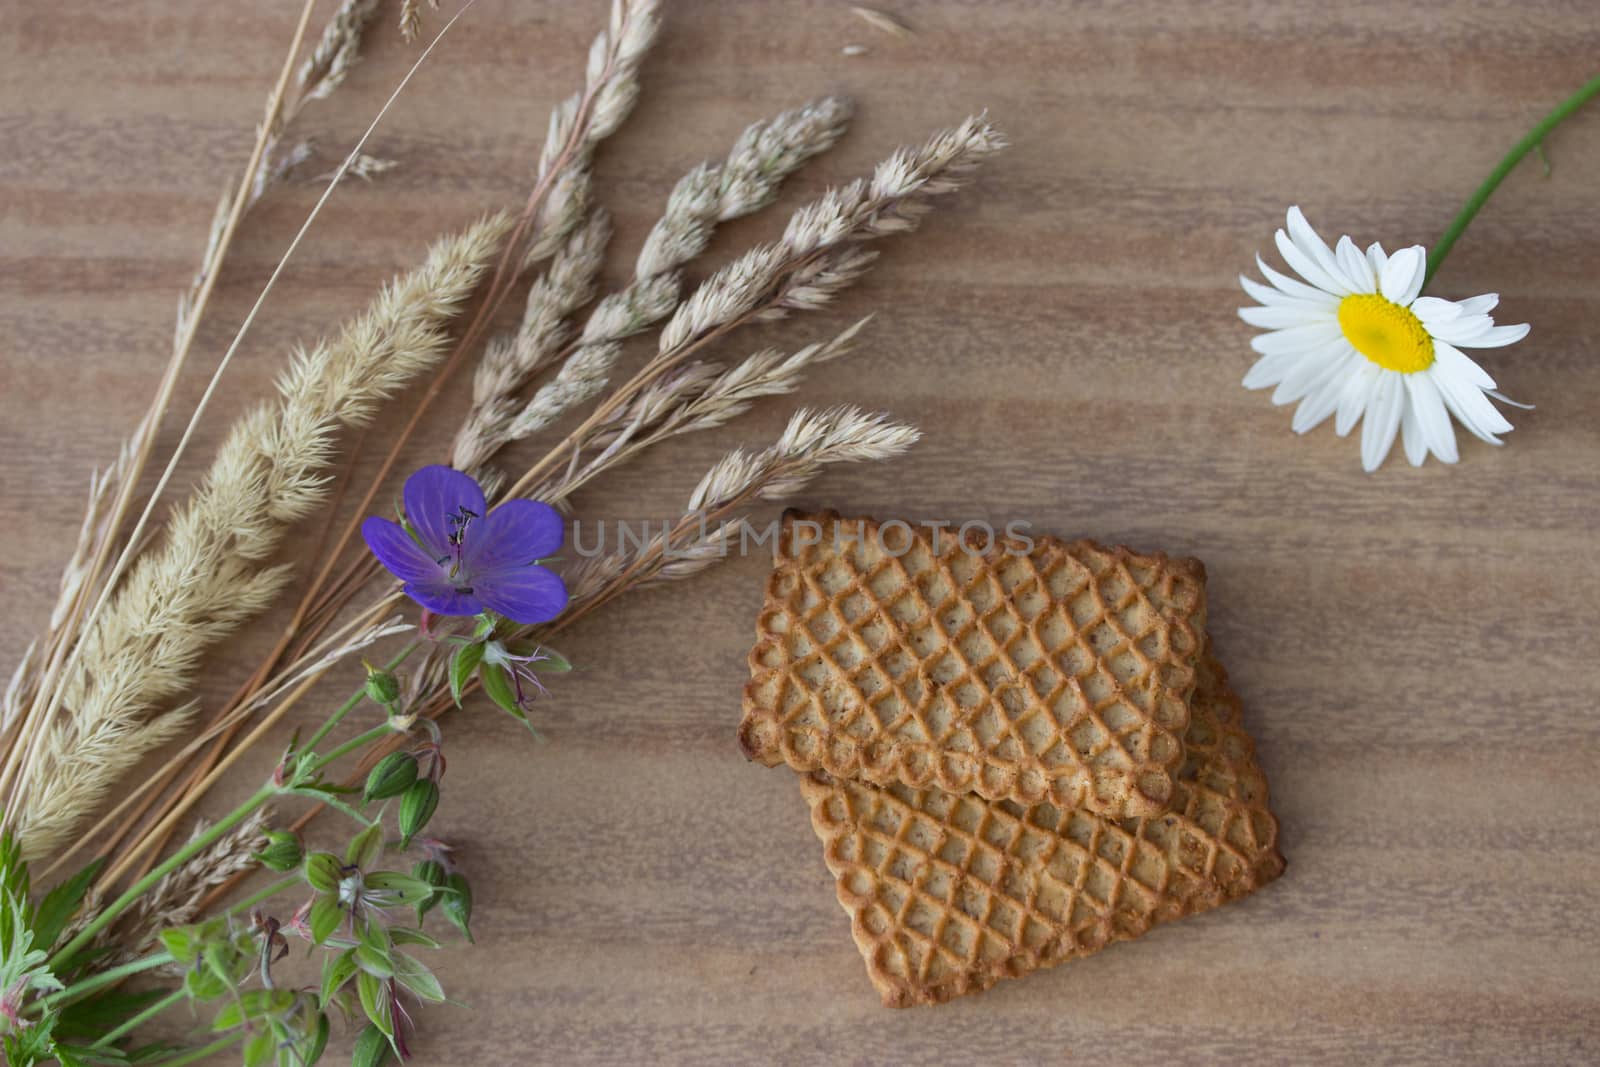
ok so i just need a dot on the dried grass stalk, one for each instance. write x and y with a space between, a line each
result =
819 254
175 900
709 524
697 397
210 574
712 193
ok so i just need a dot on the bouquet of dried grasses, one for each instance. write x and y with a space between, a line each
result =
111 678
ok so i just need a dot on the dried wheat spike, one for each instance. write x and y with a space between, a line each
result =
1059 672
948 894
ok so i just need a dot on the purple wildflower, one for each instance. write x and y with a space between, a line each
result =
459 558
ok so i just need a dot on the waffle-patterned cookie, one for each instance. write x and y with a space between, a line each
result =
1060 673
949 894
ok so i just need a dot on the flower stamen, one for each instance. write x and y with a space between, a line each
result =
1386 333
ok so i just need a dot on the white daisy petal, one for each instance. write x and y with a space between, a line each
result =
1296 338
1311 243
1281 318
1324 397
1411 433
1306 376
1432 419
1382 421
1431 310
1308 268
1401 279
1462 330
1498 337
1266 295
1470 407
1355 266
1269 370
1356 396
1457 362
1378 258
1479 305
1291 287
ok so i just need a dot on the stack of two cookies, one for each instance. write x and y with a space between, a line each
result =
1015 750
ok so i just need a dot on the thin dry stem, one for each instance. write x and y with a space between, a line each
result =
210 575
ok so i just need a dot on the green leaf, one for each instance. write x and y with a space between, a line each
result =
462 664
337 970
404 889
432 872
405 935
323 872
371 1048
414 975
94 1015
32 1045
417 806
553 663
374 961
259 1049
86 1056
251 1005
498 689
375 1002
485 626
325 917
61 904
457 903
316 1043
365 848
180 941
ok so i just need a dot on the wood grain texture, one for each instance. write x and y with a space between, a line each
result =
1415 648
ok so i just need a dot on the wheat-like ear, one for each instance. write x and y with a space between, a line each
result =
712 193
712 519
209 574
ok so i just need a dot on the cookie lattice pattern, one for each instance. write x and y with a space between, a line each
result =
1060 674
948 894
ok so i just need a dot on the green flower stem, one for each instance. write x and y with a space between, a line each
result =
1534 138
176 997
229 821
377 733
344 709
101 980
287 882
195 1055
161 870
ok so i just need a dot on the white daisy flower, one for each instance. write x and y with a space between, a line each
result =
1358 343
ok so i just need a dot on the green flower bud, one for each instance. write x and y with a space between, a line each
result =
416 808
391 777
457 903
372 1048
318 1040
283 851
432 872
382 687
323 871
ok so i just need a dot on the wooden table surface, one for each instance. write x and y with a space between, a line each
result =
1415 648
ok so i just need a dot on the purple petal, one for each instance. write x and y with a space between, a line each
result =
434 494
524 594
515 534
442 598
404 558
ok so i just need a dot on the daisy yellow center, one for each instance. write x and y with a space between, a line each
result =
1386 333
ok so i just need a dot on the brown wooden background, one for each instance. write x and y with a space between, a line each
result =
1416 648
